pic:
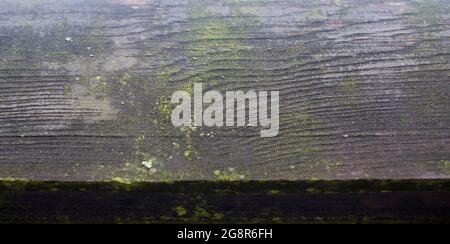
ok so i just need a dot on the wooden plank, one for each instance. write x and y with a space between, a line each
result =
250 202
364 86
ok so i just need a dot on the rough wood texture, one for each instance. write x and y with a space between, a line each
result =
364 84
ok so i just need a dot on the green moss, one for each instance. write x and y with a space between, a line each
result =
121 180
167 73
165 107
181 211
14 184
201 213
304 120
304 151
348 90
316 14
215 35
230 174
218 216
67 90
318 167
274 192
348 87
446 166
13 180
125 80
313 190
190 152
95 85
189 88
212 38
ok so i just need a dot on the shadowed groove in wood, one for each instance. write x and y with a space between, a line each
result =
417 201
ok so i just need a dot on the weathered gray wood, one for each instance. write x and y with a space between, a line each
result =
84 85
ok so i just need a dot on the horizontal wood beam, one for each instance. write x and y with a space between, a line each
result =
85 88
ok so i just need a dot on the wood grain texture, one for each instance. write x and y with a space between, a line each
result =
84 88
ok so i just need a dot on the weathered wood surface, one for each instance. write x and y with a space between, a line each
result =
364 84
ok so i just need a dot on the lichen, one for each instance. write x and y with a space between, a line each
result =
316 14
446 167
13 180
121 180
67 90
212 36
348 87
230 174
165 107
348 90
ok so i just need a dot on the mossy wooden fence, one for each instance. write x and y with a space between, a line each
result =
85 88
